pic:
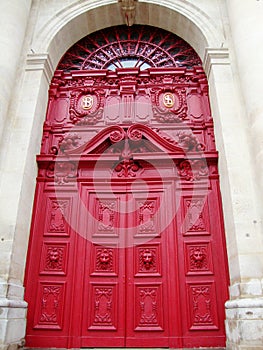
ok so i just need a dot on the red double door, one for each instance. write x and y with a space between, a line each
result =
126 266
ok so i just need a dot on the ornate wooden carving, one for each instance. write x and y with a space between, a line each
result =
192 170
58 212
202 302
103 306
147 210
147 259
104 259
50 312
149 307
127 226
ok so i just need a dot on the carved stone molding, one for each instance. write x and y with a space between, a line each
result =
215 56
36 62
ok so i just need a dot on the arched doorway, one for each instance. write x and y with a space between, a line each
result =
127 230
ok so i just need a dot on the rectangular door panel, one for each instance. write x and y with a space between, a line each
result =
103 314
148 268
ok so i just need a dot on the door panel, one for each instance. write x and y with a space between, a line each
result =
125 285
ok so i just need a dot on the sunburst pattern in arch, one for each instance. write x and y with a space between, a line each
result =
122 46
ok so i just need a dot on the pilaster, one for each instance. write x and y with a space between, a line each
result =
244 311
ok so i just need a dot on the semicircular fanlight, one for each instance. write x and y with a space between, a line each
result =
122 46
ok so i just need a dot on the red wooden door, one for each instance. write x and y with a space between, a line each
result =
126 285
127 242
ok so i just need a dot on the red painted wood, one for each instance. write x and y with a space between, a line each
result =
127 243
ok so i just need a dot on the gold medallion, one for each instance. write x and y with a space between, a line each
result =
87 102
168 100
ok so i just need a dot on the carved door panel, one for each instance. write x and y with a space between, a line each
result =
126 287
50 272
149 287
103 278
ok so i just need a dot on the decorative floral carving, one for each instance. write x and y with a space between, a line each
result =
106 215
103 306
50 304
148 306
201 300
188 141
194 215
146 217
58 212
62 172
70 141
127 168
192 170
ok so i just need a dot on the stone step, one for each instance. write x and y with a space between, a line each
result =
25 348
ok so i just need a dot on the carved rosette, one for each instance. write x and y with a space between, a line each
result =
86 106
169 106
117 135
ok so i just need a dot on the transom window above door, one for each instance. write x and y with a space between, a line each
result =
138 46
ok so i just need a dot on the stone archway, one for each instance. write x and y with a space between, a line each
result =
64 29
